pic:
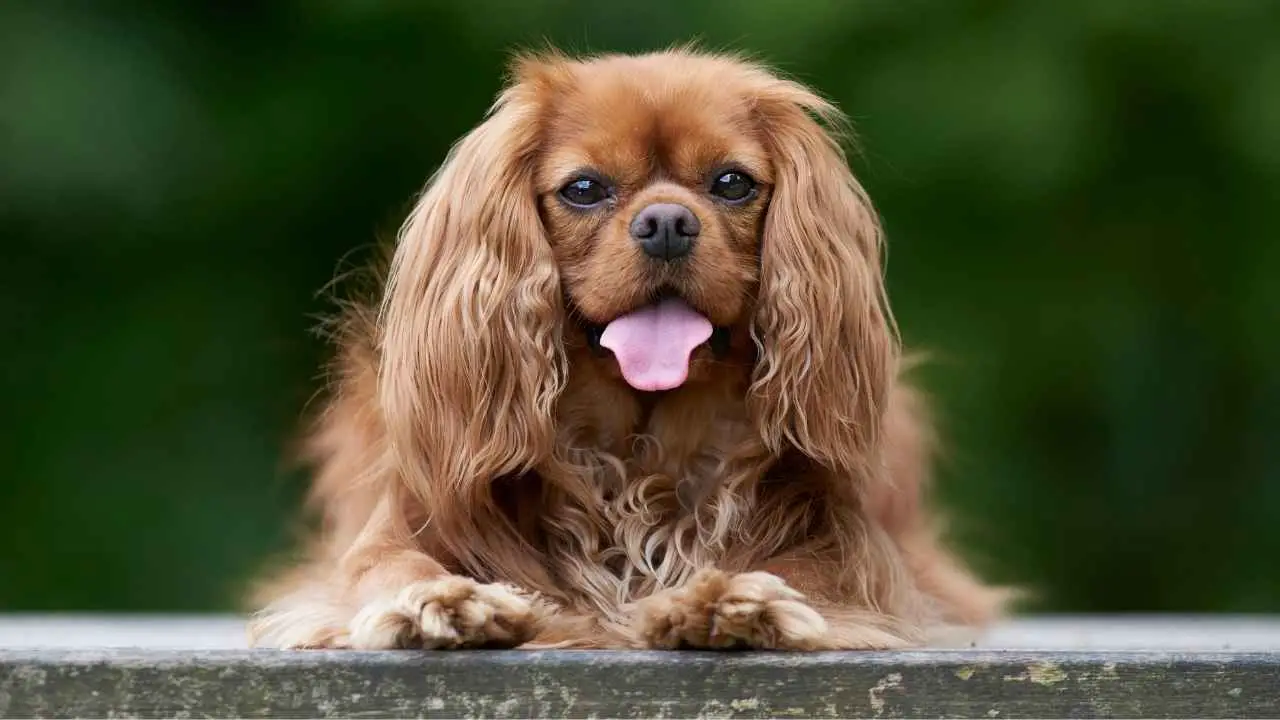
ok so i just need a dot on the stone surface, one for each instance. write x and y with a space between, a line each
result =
1041 667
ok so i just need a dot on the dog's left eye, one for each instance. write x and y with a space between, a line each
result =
733 186
584 192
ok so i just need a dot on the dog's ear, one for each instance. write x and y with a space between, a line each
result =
828 347
471 361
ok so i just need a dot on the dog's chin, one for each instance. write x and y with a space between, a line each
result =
654 344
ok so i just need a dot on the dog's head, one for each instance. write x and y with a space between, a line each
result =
654 209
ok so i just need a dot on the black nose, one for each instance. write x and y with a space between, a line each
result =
666 231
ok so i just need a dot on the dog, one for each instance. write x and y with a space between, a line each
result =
632 382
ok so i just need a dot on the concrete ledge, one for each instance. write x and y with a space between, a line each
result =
979 682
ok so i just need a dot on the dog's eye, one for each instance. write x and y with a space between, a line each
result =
733 186
584 192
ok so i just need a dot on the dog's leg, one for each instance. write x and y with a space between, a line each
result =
382 595
410 602
405 601
758 610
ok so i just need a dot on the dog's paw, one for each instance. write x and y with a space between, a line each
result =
447 612
720 610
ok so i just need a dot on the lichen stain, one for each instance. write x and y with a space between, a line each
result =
875 696
1045 673
1040 673
508 708
965 673
714 710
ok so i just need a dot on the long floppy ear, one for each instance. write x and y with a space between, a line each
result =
471 357
828 346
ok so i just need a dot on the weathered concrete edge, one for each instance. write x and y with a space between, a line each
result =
963 683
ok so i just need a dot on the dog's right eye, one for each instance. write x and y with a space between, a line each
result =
584 192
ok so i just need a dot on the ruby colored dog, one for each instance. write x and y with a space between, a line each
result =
632 381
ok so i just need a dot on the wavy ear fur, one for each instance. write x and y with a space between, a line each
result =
828 346
470 334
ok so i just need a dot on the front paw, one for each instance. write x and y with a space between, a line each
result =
721 611
447 612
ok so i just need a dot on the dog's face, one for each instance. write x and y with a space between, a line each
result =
666 217
653 184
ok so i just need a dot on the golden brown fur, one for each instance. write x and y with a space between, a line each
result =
487 478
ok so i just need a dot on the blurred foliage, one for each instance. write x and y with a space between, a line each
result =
1081 202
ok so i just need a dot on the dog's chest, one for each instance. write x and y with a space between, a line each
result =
639 530
657 493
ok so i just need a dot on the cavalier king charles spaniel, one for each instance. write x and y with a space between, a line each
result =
631 382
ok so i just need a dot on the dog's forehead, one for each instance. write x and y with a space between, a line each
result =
633 121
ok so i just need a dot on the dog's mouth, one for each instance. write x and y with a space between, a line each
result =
654 343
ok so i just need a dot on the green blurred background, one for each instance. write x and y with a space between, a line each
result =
1081 202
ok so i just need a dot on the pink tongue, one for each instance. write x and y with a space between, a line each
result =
653 344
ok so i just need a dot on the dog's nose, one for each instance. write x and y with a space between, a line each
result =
666 231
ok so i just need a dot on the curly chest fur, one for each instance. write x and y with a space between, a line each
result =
638 501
